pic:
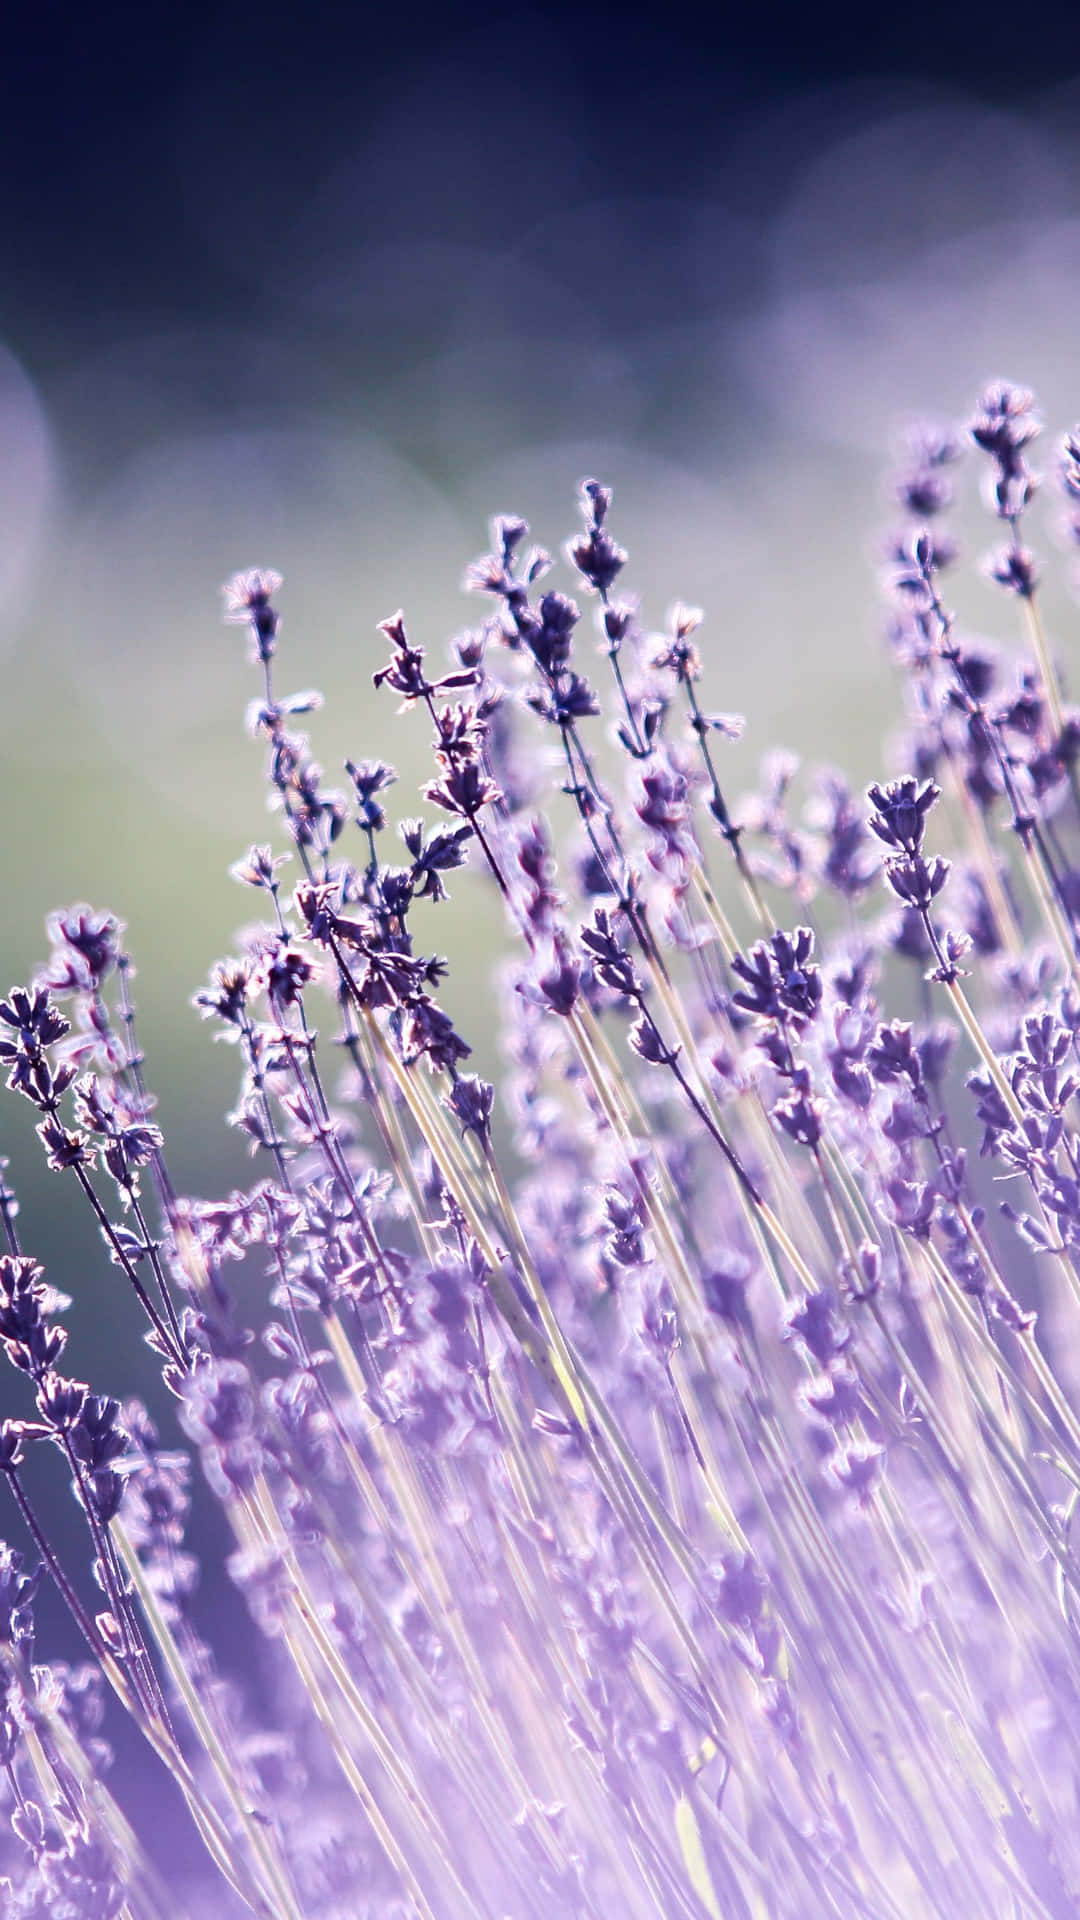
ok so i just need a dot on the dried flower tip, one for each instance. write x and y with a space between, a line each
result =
1005 421
470 1100
85 948
900 810
1014 568
258 868
1005 424
370 777
247 603
508 530
594 553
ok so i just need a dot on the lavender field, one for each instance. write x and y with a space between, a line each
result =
649 1475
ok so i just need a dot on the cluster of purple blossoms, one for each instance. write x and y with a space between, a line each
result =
653 1481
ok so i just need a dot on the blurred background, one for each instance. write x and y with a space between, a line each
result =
321 289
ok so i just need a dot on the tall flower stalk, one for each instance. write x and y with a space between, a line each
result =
653 1480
